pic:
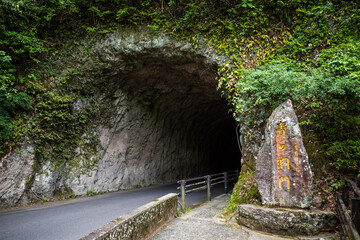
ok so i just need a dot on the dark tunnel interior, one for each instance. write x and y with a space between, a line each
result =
181 96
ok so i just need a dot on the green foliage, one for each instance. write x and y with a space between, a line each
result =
20 23
43 199
329 96
316 65
10 102
71 196
91 193
178 213
57 130
346 155
245 191
342 59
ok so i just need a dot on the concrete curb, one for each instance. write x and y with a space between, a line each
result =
140 223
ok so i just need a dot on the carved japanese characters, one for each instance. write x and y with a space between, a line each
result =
283 173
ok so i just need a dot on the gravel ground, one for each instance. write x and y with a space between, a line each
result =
205 222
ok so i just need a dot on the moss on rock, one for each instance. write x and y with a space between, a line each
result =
245 191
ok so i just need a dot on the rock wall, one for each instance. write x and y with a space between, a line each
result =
16 169
252 137
163 120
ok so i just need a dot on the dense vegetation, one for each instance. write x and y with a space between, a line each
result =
305 50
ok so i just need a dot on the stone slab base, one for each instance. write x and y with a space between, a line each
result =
285 221
320 237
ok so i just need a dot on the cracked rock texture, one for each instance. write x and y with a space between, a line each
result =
16 169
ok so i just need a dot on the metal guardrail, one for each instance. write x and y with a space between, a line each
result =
350 222
206 182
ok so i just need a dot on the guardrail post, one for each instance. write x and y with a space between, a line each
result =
355 212
208 186
225 182
182 191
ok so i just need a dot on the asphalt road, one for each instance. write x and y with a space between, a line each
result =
73 219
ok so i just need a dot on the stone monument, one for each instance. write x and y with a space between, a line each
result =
284 179
283 173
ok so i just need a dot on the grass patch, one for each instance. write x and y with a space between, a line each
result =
90 193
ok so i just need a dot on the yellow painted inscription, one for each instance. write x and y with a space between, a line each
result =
296 157
284 179
281 129
282 147
283 162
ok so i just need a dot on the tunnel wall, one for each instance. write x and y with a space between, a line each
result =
142 147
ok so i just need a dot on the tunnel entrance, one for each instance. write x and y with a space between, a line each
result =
183 112
166 119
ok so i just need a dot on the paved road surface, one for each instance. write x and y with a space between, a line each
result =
73 219
206 222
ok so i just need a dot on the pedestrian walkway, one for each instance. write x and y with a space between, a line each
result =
206 223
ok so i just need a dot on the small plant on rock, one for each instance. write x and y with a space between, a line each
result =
72 196
91 193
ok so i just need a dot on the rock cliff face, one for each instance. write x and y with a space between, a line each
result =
164 121
15 171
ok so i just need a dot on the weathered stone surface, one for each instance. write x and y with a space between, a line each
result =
283 173
15 171
45 183
79 105
252 137
140 223
284 221
321 237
